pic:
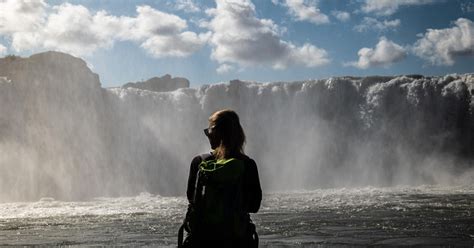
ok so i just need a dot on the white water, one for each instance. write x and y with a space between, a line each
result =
290 201
65 137
355 217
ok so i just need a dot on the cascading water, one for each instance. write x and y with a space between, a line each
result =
63 136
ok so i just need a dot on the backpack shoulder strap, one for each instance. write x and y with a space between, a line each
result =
197 186
204 157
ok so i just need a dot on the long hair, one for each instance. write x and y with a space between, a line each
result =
229 132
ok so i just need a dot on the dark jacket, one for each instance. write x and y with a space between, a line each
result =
252 196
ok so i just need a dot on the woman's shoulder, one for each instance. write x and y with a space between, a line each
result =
248 160
202 156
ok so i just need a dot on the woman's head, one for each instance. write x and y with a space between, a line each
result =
225 134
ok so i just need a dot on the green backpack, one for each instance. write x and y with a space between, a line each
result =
218 204
218 199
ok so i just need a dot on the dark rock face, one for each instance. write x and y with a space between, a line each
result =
160 84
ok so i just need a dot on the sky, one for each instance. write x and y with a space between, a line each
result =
260 40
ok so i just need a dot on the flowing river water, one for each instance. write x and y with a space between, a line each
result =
345 217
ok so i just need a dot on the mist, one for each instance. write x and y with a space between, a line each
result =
64 136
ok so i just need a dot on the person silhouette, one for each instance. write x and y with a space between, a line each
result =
223 188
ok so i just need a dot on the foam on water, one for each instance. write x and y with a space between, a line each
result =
278 201
343 217
360 197
48 207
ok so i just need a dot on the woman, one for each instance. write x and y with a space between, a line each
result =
223 188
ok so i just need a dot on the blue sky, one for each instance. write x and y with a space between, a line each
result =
259 40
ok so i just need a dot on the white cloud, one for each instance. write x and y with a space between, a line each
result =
164 34
442 46
239 37
305 10
188 6
3 50
70 28
385 53
179 45
74 29
21 15
151 22
369 23
341 15
389 7
224 68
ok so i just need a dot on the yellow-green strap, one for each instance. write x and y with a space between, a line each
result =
212 165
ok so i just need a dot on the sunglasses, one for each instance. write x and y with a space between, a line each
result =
208 131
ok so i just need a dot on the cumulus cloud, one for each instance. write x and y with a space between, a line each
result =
21 15
179 45
239 37
164 34
369 23
151 22
224 68
341 15
70 28
385 53
188 6
74 29
389 7
442 46
3 50
304 10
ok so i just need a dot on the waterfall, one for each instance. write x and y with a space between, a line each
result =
64 136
